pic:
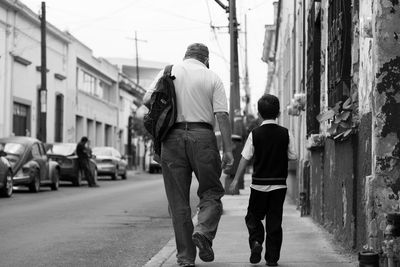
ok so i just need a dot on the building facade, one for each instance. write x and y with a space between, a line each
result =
86 95
95 91
20 66
334 67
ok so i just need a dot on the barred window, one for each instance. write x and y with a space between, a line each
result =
339 50
313 68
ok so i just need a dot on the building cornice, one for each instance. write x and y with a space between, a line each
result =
27 13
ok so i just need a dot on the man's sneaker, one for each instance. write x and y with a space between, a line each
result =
256 249
272 264
206 253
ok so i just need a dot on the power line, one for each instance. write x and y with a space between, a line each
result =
216 37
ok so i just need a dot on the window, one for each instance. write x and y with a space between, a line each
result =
339 50
21 119
59 118
89 83
86 82
92 85
313 69
116 154
36 151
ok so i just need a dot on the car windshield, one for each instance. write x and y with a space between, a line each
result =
62 149
12 148
102 151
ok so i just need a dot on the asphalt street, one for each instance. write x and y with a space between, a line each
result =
122 223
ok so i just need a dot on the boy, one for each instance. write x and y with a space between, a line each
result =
272 147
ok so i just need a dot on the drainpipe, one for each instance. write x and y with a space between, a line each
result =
383 187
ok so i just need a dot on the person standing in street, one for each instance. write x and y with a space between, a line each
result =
270 146
191 147
83 152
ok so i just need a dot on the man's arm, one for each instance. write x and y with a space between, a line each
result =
226 134
150 90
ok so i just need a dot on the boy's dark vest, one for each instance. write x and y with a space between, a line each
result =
270 166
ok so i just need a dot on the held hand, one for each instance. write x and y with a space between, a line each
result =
227 161
233 187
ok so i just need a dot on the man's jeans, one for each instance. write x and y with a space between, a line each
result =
184 152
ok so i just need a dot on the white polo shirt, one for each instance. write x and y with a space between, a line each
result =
248 152
199 92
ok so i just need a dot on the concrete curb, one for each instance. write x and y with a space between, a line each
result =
163 255
166 252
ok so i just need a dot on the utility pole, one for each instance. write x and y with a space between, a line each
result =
43 70
129 144
235 88
246 71
131 117
137 56
234 103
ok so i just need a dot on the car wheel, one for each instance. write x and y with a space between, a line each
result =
115 174
34 187
7 190
77 181
56 183
151 169
123 176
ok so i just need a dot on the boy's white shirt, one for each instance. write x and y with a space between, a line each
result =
248 152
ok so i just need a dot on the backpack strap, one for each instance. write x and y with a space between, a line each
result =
167 70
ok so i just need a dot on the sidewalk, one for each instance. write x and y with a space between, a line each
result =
304 243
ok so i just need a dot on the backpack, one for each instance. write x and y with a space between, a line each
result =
162 109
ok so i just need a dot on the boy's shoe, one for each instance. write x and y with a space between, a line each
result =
272 264
256 249
206 252
186 264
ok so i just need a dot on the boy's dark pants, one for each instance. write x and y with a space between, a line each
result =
270 206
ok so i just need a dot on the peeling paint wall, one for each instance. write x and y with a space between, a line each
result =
363 169
324 60
384 184
366 75
317 185
338 187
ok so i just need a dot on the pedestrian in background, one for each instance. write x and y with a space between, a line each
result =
84 154
270 146
191 146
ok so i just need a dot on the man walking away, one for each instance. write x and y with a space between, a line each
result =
191 146
84 153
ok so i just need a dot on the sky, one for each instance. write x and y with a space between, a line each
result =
166 27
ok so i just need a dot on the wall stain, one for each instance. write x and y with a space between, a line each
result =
389 85
395 186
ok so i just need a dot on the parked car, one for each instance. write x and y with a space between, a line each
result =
151 165
110 162
65 155
30 164
6 178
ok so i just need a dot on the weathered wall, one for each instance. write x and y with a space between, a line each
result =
317 185
363 169
338 190
384 184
